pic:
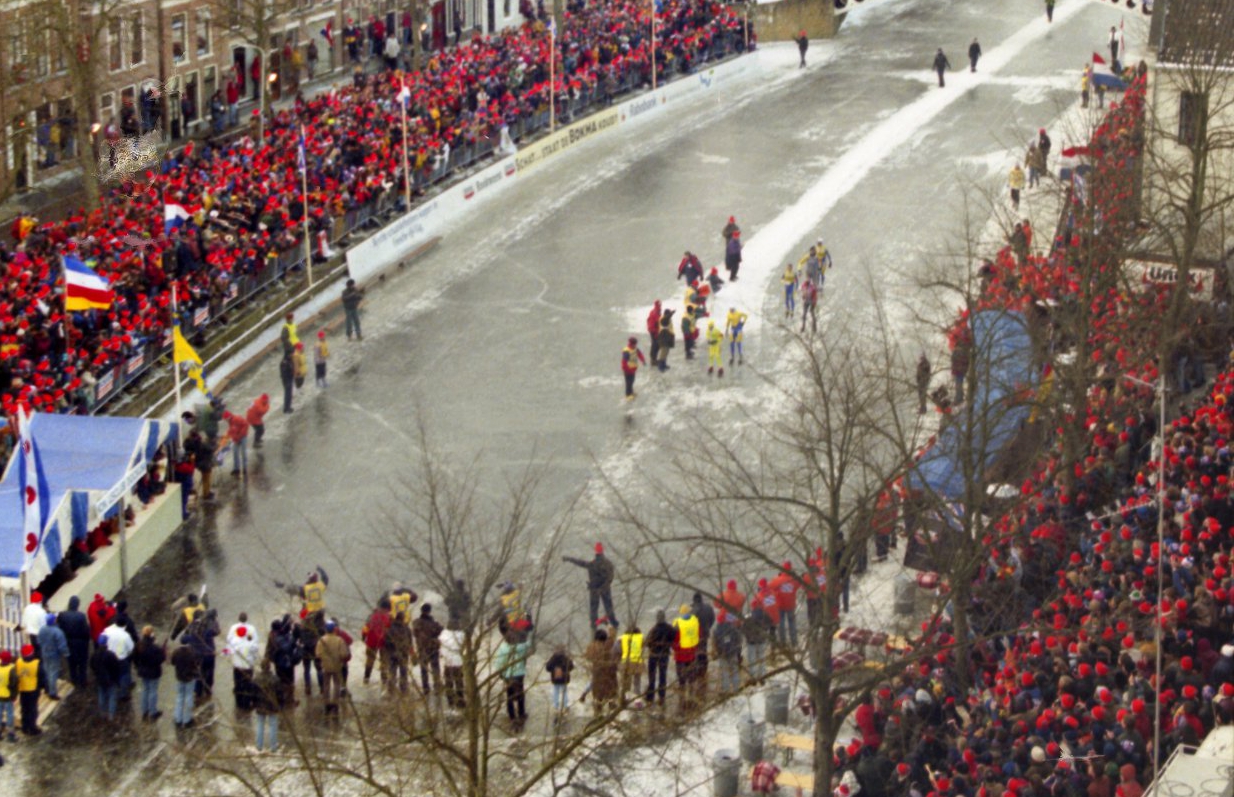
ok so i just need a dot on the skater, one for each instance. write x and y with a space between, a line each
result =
733 326
256 417
1035 163
1114 49
1049 10
1015 182
690 268
653 329
352 297
715 360
732 255
803 44
809 305
689 332
715 281
666 338
321 353
301 365
1043 145
288 335
630 359
659 645
730 229
941 65
600 574
974 55
1086 77
287 373
789 280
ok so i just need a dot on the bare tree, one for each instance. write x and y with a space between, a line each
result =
256 23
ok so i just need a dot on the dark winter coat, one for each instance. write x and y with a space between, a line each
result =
732 253
757 627
106 668
706 619
727 641
148 658
600 571
659 640
427 632
666 338
603 658
187 663
75 626
941 64
559 667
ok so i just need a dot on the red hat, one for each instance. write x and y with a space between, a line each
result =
27 651
599 547
788 565
732 583
36 597
633 341
7 658
242 632
732 220
321 333
1227 690
1189 692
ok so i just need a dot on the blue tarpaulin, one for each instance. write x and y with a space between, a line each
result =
1002 362
81 454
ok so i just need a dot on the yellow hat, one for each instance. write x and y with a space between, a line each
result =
684 610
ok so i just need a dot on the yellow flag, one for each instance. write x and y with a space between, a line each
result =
181 351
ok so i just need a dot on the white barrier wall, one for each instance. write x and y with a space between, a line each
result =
370 258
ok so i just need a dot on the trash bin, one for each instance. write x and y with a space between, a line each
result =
750 736
775 699
905 590
726 773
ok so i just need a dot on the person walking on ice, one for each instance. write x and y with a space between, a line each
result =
630 359
803 44
809 305
715 339
321 353
974 55
789 280
1015 181
733 326
941 65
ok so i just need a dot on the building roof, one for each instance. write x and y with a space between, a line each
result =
1194 32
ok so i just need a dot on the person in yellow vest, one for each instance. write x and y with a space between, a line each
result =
631 356
8 695
402 598
631 661
685 653
734 323
715 359
29 676
288 335
312 594
186 610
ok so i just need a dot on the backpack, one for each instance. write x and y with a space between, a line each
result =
287 654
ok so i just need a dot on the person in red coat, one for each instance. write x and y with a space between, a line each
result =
785 586
653 329
99 614
374 635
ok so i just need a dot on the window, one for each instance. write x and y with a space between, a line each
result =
107 107
201 27
179 40
115 44
1192 117
209 82
137 39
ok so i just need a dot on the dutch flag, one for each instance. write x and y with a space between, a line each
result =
174 217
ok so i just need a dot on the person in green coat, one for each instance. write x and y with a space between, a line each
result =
511 663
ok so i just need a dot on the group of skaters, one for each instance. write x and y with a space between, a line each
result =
703 285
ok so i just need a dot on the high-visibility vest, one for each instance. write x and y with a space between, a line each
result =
688 627
314 596
6 672
27 675
189 611
632 648
400 602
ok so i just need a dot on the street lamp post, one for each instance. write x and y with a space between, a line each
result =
1160 390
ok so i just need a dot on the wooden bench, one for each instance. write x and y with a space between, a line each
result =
864 637
795 780
790 743
849 658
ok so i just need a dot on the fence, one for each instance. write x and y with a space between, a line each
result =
199 314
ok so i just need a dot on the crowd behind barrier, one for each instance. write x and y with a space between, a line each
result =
245 202
1064 706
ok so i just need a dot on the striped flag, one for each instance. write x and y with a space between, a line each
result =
182 353
83 288
404 94
174 217
35 496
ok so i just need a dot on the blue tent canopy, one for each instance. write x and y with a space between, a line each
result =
80 454
1002 359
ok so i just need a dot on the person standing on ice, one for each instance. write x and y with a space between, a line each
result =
941 65
653 329
689 331
1015 181
789 280
600 575
974 55
690 267
803 44
715 338
733 326
630 358
730 229
666 338
809 305
732 255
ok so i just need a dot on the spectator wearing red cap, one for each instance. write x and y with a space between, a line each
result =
245 650
29 683
33 618
600 574
256 417
238 435
785 586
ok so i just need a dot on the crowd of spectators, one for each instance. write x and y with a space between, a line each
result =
245 196
1065 705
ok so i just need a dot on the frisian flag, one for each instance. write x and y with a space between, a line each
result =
84 289
301 156
35 496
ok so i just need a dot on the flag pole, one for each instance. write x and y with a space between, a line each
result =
175 366
402 106
68 326
552 76
308 243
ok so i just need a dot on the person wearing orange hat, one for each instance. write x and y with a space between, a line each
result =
29 683
600 575
731 601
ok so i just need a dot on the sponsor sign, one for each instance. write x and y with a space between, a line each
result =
1201 279
135 363
201 315
540 151
105 385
